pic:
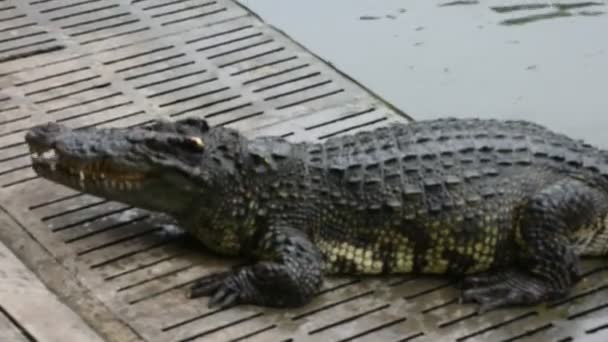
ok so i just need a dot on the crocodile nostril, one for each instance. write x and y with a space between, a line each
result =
44 134
51 128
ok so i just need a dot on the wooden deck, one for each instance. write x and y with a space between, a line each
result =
124 63
28 310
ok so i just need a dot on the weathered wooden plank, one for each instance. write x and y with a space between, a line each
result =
34 307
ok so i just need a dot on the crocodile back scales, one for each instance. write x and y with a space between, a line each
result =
435 196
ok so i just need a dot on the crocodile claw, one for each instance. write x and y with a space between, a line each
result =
492 291
485 279
490 297
222 288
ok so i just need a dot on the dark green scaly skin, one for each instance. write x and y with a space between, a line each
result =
509 205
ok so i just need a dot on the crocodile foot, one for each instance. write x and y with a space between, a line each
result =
225 289
508 288
263 283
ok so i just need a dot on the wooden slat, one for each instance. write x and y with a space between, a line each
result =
35 308
8 330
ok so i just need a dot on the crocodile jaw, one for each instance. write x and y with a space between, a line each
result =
94 176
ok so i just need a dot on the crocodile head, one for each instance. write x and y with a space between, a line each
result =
165 166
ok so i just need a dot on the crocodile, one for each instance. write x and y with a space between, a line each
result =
508 207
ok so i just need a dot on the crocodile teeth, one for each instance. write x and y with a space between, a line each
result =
50 154
46 155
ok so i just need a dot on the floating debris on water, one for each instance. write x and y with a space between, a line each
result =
536 17
577 5
560 10
515 8
558 6
392 16
459 3
545 16
591 13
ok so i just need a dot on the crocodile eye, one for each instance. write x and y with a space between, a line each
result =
192 143
195 143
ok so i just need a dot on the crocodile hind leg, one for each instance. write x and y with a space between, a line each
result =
288 274
548 264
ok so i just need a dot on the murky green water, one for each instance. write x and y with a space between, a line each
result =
539 60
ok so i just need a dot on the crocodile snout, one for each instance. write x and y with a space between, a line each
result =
45 136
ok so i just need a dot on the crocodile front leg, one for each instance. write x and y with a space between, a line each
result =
546 231
288 274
